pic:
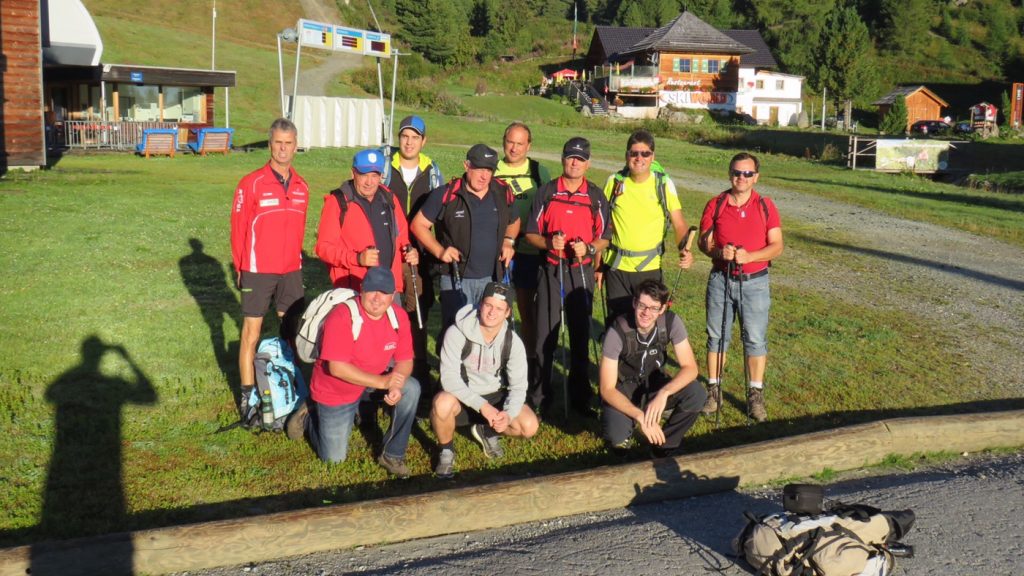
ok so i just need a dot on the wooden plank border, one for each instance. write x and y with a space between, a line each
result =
254 539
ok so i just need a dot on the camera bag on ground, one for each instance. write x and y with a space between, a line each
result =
275 372
843 540
307 343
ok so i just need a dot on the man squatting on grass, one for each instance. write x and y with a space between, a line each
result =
474 376
268 222
741 231
633 383
371 368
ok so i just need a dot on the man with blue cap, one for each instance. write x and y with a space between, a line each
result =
368 364
362 226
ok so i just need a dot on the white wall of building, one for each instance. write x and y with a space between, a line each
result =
767 95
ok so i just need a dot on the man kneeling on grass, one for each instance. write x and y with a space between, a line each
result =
483 366
374 367
634 386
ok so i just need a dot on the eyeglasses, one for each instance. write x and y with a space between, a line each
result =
744 173
640 153
645 308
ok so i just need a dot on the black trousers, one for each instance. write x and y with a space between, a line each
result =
620 288
578 308
685 405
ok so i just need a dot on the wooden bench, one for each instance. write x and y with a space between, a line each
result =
158 141
211 140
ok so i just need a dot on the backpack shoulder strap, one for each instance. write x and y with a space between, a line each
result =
506 350
467 348
625 332
357 318
661 188
718 208
343 198
664 327
535 172
392 318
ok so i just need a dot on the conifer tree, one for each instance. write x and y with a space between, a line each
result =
895 120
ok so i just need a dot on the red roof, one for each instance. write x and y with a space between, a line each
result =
564 73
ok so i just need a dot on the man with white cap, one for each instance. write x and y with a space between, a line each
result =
362 226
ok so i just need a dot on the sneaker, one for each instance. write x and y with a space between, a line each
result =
755 404
394 465
711 404
490 444
246 414
295 427
445 468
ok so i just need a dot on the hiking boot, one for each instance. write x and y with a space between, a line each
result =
755 404
295 427
394 465
445 468
490 444
711 404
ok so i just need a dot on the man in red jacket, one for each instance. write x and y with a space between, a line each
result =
268 221
362 226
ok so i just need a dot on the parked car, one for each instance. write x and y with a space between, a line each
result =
963 127
930 127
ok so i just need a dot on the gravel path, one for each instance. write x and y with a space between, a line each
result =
314 81
968 523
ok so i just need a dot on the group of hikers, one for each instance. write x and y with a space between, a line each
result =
504 236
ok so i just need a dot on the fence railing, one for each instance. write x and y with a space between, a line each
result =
94 134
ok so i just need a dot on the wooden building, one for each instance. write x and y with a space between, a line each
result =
922 104
22 143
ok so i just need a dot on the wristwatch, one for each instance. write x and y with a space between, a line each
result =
591 249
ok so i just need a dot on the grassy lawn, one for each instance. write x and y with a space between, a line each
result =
117 268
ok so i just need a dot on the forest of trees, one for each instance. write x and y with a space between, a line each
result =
854 48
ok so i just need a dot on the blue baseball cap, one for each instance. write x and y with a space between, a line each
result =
413 123
379 279
370 160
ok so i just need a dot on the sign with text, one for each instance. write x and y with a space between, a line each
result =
344 39
692 99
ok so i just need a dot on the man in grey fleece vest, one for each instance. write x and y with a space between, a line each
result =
483 368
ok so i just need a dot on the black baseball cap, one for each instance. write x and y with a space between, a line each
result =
482 156
498 290
576 148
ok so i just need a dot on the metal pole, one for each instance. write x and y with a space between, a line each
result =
213 42
227 108
394 85
295 86
280 74
824 97
380 85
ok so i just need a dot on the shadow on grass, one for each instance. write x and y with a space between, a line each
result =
84 490
913 260
1012 204
111 520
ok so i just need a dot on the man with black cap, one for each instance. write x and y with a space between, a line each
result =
362 226
470 226
372 365
411 175
483 373
569 222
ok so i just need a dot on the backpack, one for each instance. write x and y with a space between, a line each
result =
276 371
311 327
344 198
506 353
593 192
718 210
845 540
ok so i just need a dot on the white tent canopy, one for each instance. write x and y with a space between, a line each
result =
70 37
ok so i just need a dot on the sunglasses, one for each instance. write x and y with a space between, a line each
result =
640 153
744 173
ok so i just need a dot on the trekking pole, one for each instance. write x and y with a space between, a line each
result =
721 343
561 327
739 308
415 290
507 280
686 243
590 304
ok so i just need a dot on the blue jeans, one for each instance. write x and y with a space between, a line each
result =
330 429
452 300
755 296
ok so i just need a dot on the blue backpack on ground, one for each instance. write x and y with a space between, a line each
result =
276 371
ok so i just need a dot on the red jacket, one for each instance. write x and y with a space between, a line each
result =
339 245
268 223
